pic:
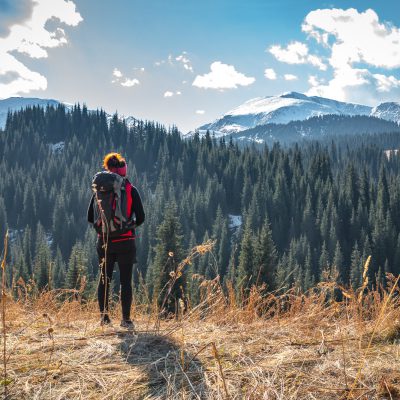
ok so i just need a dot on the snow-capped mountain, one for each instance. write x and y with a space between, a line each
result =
18 103
281 109
289 107
389 111
316 128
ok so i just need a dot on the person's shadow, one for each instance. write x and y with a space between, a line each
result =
168 370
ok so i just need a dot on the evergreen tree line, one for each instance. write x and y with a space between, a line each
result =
319 127
302 210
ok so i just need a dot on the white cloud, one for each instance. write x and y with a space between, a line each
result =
122 80
183 58
168 93
269 73
290 77
32 37
172 60
386 83
130 82
313 80
359 37
222 76
359 86
296 53
200 112
117 73
355 38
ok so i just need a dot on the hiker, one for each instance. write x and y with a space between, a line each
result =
115 210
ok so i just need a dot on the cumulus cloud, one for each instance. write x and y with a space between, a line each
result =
290 77
32 37
356 39
200 112
296 53
222 76
269 73
120 79
359 37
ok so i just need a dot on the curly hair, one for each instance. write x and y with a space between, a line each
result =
111 156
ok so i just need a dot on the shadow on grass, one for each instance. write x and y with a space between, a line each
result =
171 372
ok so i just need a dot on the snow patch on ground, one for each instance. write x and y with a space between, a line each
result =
57 147
391 153
14 233
49 239
235 221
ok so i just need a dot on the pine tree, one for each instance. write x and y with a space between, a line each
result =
77 267
59 270
168 254
324 263
338 262
42 258
224 249
266 257
246 276
356 267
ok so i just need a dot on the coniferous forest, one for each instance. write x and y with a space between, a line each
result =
280 216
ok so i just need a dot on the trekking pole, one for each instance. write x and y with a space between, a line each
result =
103 269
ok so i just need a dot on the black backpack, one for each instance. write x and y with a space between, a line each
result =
111 217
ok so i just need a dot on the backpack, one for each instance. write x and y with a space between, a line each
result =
111 204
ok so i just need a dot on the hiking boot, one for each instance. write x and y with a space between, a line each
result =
105 320
127 323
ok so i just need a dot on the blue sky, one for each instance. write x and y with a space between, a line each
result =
188 62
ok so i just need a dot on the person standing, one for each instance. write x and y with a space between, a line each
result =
116 235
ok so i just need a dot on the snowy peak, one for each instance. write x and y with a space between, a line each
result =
282 109
17 103
389 111
294 95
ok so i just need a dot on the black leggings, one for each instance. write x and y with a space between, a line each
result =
125 262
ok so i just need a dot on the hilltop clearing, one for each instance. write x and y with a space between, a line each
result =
301 348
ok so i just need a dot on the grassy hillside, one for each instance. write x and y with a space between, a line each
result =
287 346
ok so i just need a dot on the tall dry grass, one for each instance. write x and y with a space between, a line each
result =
287 345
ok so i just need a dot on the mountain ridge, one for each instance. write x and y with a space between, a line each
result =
17 103
289 107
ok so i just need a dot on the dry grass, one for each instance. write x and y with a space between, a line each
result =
288 347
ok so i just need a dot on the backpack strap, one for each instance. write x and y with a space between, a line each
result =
128 189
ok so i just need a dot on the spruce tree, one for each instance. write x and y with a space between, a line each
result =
77 267
246 275
356 270
168 253
266 257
